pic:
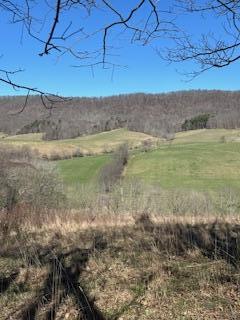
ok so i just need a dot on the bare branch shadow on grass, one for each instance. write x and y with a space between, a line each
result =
214 240
5 282
63 281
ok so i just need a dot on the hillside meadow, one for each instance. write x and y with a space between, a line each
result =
90 144
161 244
205 160
201 160
202 166
82 170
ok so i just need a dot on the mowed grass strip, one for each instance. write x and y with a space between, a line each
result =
200 166
81 170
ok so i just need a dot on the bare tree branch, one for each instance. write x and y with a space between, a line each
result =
212 50
48 99
48 45
58 30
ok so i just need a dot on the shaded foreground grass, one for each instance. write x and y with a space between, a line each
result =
122 268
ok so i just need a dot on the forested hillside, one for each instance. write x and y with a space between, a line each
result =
156 114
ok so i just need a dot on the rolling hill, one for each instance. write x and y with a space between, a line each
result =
103 142
201 160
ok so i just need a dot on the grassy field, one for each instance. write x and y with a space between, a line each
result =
90 144
198 166
207 135
81 170
199 160
2 135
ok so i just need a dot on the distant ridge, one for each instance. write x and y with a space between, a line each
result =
155 114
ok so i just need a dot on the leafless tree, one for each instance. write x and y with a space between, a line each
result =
161 114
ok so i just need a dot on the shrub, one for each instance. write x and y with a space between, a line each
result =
77 153
55 156
147 145
23 179
198 122
223 139
112 171
169 136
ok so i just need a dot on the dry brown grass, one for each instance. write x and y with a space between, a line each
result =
87 145
129 267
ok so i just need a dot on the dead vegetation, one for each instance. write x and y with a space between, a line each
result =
121 267
26 186
111 172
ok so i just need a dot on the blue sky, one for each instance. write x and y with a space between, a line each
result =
144 71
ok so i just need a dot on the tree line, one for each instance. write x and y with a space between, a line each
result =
155 114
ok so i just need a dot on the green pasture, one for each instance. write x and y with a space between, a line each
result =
199 166
81 170
207 159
